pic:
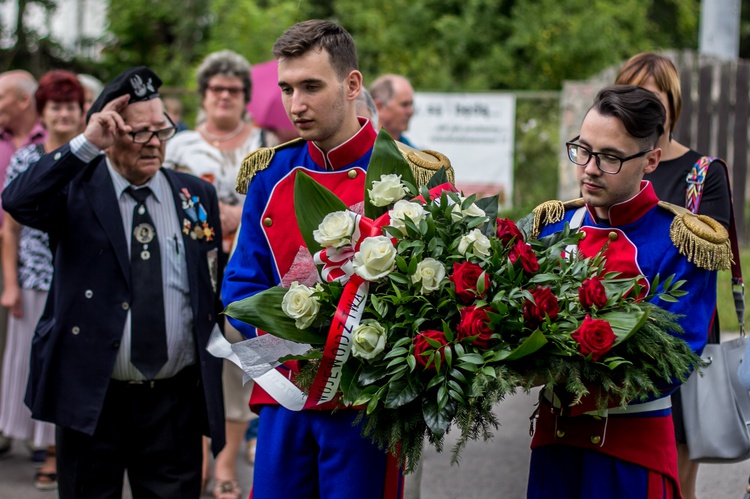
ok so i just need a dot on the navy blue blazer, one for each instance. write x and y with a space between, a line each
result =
76 341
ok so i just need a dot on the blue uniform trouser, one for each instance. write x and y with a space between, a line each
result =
316 455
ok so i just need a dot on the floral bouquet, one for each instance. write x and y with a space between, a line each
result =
429 310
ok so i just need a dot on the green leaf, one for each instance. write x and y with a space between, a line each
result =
401 264
437 421
472 358
440 177
312 354
312 203
489 205
263 311
401 392
399 278
385 159
624 324
530 345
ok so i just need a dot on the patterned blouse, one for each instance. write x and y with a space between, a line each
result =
34 255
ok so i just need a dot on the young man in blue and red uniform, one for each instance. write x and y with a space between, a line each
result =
310 453
579 452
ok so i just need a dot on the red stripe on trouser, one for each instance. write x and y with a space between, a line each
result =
661 487
394 480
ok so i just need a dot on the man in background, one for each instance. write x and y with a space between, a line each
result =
394 98
19 127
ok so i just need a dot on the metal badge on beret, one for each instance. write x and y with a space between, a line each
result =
140 82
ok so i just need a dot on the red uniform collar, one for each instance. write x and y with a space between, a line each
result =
631 210
348 152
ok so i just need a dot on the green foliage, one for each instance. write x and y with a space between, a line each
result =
725 299
535 165
167 36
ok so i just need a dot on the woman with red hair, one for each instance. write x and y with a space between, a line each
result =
27 271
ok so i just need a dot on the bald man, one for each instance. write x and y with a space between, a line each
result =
19 127
394 98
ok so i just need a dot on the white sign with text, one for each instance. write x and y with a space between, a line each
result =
475 131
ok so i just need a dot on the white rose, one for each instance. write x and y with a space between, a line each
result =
387 190
368 340
375 259
335 230
300 304
457 214
431 273
480 241
404 209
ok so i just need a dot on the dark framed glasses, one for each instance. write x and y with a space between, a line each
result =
607 163
163 135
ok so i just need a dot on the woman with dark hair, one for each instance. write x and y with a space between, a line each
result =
27 271
658 74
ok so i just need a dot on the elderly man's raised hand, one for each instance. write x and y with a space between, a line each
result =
105 126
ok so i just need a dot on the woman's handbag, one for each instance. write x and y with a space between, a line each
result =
715 404
716 407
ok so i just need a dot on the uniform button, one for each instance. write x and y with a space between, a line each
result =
125 305
267 222
210 317
116 344
560 433
57 156
75 330
596 439
613 236
88 293
352 173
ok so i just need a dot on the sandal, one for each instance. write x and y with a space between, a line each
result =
45 480
227 489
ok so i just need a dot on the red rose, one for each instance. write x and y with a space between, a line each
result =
594 337
465 277
592 294
522 251
507 230
546 304
475 322
421 346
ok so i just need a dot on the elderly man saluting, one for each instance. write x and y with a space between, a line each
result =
118 359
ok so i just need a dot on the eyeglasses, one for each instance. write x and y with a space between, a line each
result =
607 163
220 89
163 135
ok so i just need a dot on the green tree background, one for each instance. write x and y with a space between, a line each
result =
440 45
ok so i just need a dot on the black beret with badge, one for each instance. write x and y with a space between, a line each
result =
139 82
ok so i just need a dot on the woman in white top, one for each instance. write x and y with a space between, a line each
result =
216 148
214 152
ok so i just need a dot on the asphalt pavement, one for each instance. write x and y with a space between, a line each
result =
497 469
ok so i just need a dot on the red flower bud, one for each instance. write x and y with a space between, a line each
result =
475 322
465 277
507 230
594 337
546 304
592 294
523 252
421 346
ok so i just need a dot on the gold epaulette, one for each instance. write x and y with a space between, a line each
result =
551 212
703 240
257 161
424 164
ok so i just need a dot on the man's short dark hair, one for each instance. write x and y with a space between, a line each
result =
316 34
640 111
